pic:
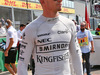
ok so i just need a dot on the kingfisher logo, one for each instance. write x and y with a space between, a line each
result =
44 59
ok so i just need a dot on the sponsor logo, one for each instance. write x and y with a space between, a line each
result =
77 50
23 35
22 59
62 32
43 34
44 40
21 52
50 59
22 46
52 19
52 47
24 42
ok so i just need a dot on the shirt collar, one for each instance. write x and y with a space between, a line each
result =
49 19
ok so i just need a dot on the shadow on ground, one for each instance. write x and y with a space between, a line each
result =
5 73
95 69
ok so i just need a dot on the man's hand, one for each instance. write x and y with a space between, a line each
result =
6 53
92 50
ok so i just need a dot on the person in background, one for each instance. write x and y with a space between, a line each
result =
85 38
3 21
19 32
51 39
77 26
2 30
11 47
98 30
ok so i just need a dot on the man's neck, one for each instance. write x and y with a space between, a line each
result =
9 26
50 14
20 29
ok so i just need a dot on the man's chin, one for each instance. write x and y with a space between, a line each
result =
82 30
59 9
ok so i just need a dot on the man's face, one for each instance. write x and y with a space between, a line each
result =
83 27
8 23
23 27
53 5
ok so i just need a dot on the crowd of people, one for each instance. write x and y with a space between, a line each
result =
50 40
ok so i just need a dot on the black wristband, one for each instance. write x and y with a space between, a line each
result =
92 51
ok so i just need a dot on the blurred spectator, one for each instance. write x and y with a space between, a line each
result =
2 30
85 38
11 47
3 21
19 32
98 30
77 26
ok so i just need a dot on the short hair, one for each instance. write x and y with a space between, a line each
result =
8 21
22 25
83 23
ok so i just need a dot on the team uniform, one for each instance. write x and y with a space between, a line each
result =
11 33
50 41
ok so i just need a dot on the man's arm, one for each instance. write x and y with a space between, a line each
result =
91 40
27 45
76 54
92 46
10 45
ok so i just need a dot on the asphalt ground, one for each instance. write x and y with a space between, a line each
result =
95 70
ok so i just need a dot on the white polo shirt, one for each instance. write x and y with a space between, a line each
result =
2 31
11 33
